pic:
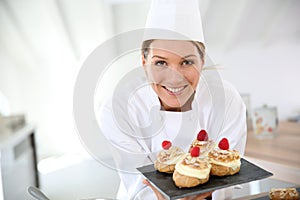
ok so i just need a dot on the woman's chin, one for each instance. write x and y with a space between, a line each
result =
172 106
178 104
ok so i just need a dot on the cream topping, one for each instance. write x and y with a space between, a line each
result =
170 156
205 146
232 164
193 167
228 158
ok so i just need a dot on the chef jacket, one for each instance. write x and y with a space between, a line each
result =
135 125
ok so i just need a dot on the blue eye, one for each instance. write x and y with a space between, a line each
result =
161 63
188 62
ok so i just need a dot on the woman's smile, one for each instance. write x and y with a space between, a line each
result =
176 91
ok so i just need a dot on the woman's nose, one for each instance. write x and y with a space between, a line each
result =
174 73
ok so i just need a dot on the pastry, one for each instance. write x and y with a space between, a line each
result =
202 141
224 161
168 157
192 170
284 193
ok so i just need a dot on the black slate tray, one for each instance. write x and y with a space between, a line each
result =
164 182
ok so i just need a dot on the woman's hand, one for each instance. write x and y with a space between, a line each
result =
157 193
161 197
198 197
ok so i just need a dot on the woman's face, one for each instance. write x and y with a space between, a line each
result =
173 69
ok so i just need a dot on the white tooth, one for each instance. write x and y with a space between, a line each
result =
175 90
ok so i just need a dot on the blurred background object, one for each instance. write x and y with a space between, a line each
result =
18 161
4 105
295 118
44 42
265 122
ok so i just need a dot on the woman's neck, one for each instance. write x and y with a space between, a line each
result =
186 107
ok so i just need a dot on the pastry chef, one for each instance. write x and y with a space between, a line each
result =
173 100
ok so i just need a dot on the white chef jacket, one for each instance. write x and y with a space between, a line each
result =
134 124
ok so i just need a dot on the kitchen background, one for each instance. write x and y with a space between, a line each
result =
43 44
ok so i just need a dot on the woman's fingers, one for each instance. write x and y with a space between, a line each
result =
161 197
198 197
157 193
203 196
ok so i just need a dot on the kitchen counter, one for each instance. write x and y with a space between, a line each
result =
260 189
279 155
17 162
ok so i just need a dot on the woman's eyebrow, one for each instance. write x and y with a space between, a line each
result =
160 57
190 55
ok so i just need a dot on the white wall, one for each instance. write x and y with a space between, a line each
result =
270 74
10 85
130 16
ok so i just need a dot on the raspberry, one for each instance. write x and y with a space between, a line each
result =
202 136
166 144
195 151
224 144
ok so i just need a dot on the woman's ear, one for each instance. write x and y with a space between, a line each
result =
143 60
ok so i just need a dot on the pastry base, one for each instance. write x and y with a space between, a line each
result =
219 170
187 181
164 168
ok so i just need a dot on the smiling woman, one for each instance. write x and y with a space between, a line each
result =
173 100
173 68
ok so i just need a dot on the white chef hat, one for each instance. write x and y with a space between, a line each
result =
174 20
